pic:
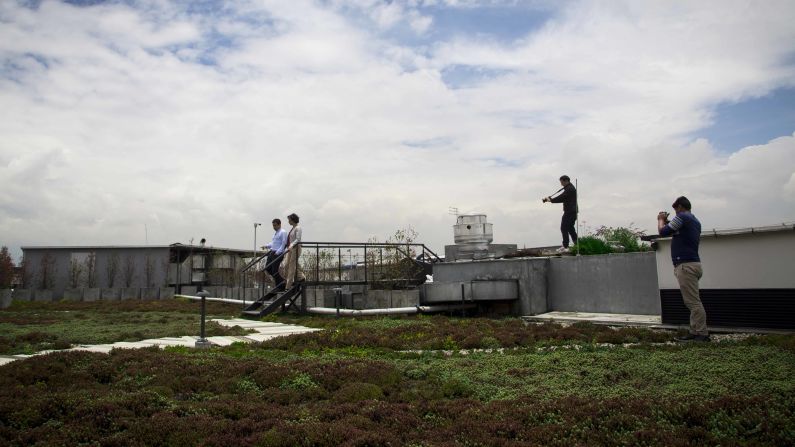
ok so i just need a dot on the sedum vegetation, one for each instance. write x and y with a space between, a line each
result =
28 327
412 381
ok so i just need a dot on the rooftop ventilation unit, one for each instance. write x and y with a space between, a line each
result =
472 235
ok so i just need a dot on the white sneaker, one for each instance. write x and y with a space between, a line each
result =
562 250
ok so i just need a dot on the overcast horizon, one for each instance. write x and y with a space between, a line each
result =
153 121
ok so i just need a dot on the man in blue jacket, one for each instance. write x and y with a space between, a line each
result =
274 259
685 230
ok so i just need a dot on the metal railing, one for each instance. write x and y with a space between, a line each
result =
389 265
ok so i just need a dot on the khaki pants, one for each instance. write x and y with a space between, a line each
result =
688 274
290 265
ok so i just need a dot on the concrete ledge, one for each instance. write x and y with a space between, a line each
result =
92 294
5 298
110 294
616 284
130 294
73 295
21 295
630 320
150 293
166 293
42 295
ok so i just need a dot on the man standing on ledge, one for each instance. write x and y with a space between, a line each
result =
569 199
686 232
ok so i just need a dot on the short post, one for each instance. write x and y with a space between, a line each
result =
202 342
337 299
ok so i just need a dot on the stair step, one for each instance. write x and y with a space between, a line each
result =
251 312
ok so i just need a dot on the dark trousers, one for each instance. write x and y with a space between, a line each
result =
567 228
272 263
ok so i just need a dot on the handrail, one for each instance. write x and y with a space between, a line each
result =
425 257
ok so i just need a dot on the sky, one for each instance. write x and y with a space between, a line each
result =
153 121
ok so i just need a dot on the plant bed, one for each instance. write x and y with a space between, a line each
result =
363 381
716 394
29 327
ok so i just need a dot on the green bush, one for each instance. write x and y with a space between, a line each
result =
611 239
591 245
627 238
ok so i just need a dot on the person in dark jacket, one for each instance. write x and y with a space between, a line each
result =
685 232
569 200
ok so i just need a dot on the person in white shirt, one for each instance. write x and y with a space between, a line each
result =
293 252
274 259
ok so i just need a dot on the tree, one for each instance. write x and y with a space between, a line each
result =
128 271
47 271
112 269
6 269
91 269
164 267
27 279
393 266
149 271
75 273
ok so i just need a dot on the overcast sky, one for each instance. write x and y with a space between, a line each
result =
191 119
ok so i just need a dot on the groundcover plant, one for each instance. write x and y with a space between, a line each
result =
412 381
29 327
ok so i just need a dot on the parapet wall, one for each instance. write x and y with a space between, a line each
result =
615 283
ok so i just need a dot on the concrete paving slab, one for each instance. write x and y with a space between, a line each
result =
262 337
131 345
248 324
104 349
282 331
6 360
264 331
603 318
226 341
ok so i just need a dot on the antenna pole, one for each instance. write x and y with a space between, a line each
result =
578 215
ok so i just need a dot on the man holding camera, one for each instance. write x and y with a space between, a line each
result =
569 199
685 230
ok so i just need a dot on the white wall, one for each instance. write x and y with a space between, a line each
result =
759 260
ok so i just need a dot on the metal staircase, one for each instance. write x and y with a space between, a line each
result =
337 264
274 300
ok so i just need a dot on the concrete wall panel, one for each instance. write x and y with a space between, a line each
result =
92 294
22 295
132 293
5 298
405 298
530 273
166 293
43 295
618 283
73 294
759 260
111 294
150 293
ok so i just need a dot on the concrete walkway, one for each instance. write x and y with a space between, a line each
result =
599 318
262 331
647 321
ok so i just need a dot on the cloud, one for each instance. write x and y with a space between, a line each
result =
197 123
